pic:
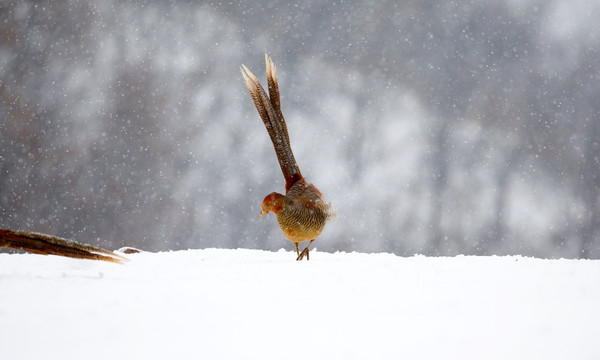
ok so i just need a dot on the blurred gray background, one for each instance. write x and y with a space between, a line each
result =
434 127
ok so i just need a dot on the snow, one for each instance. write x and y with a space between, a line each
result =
252 304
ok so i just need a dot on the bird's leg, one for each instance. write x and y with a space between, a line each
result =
305 251
297 251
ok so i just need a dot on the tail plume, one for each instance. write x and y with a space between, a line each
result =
50 245
269 109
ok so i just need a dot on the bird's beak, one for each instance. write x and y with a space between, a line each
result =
262 213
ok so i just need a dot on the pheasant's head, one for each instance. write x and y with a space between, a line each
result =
272 202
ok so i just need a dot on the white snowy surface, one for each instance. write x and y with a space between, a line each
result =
250 304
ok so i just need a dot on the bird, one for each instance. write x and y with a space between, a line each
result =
302 212
51 245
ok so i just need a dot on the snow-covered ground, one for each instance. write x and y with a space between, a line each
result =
250 304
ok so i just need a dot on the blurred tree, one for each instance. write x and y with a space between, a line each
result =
434 127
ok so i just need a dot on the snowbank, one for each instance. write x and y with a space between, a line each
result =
249 304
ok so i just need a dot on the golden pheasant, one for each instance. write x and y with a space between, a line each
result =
302 212
51 245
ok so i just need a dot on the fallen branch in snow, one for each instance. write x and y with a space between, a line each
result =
51 245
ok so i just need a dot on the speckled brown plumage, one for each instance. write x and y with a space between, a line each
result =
302 212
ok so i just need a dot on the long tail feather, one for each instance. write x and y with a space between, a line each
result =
50 245
269 109
274 93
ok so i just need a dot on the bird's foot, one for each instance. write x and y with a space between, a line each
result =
302 254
